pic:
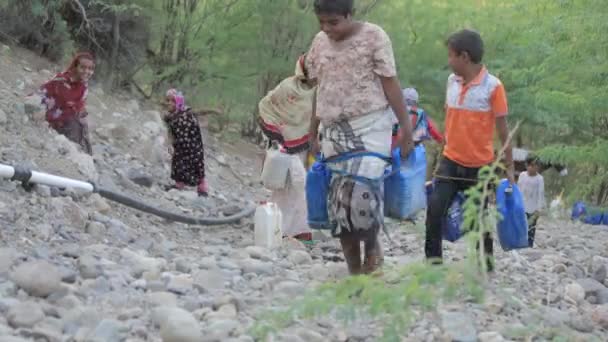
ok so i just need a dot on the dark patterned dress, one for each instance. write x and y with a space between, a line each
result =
188 164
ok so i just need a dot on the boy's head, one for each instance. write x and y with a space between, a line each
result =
465 48
335 17
532 165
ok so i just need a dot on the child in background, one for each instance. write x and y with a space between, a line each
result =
532 187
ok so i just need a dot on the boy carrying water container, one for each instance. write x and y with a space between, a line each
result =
532 186
354 66
476 106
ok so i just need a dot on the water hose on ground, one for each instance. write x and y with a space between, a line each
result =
27 176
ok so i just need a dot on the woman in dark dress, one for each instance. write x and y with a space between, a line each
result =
188 162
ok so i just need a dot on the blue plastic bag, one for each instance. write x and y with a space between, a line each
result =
404 190
450 224
317 188
513 227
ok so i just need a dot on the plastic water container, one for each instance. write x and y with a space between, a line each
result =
275 169
317 188
404 191
579 210
268 222
513 227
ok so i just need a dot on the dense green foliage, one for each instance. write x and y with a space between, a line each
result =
550 54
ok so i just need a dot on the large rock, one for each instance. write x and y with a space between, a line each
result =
178 325
600 315
181 284
65 210
140 177
256 266
591 286
25 315
83 161
208 280
139 263
162 299
574 292
37 278
598 268
298 257
89 267
109 330
151 129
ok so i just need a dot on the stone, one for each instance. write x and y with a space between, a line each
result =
490 336
228 311
46 332
37 278
80 318
257 252
181 284
208 280
162 299
602 296
140 177
221 330
183 265
7 258
3 117
600 315
65 210
574 292
44 231
130 314
458 326
140 263
289 288
310 335
299 257
109 330
555 317
32 105
179 326
598 268
68 275
151 129
89 267
100 204
96 229
256 266
591 286
25 315
582 324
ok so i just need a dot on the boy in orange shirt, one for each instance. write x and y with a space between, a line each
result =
476 106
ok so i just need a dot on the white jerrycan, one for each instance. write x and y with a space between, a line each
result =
276 169
268 223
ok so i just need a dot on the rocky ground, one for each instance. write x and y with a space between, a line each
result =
75 267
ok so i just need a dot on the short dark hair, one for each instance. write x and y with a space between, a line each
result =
341 7
532 160
468 41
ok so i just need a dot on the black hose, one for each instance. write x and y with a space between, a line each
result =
205 221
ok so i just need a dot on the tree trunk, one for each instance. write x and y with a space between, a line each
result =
112 81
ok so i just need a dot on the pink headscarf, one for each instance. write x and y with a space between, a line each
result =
178 98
